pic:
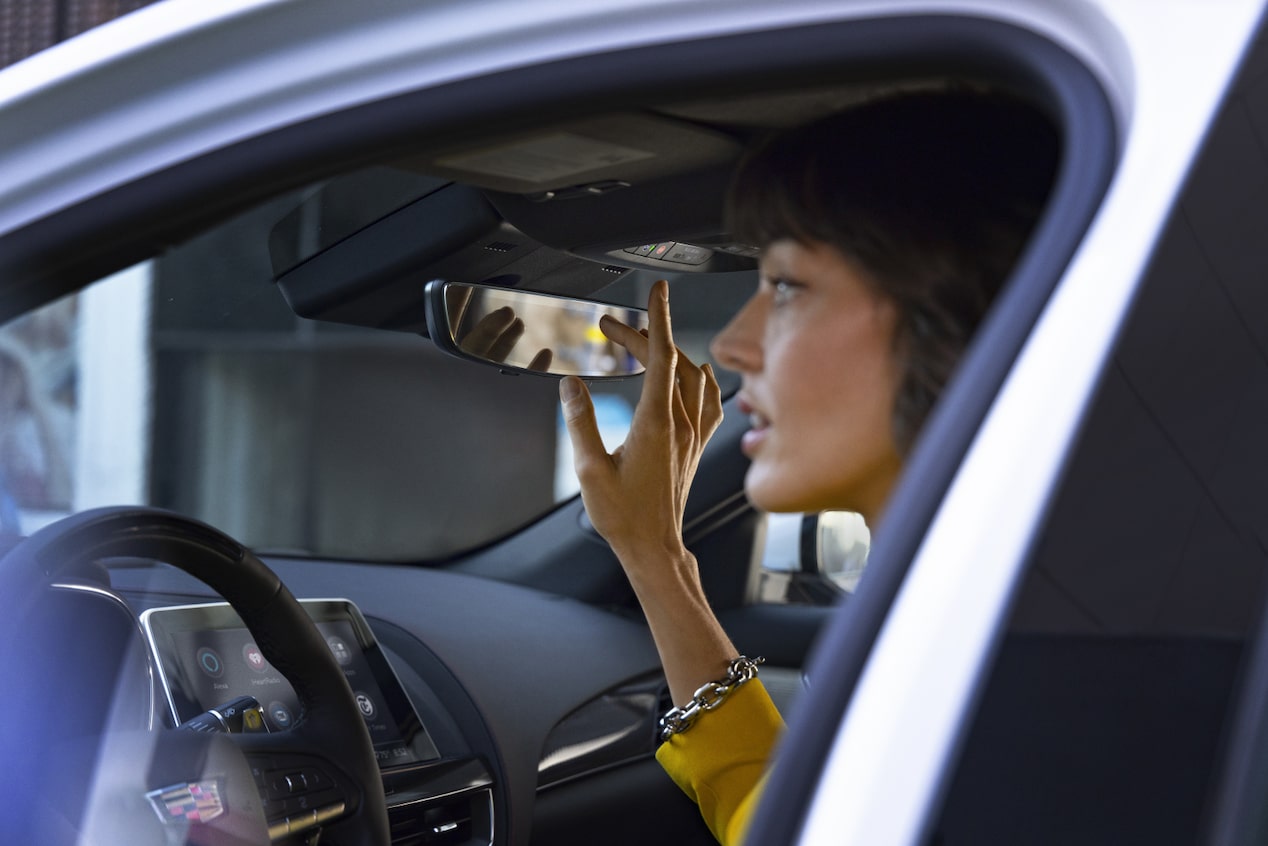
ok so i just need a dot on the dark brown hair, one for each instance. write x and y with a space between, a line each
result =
932 193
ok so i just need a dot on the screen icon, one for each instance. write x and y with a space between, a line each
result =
209 662
254 658
340 649
366 704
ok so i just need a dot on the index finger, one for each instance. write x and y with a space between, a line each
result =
627 336
662 355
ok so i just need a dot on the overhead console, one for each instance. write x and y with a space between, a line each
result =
372 273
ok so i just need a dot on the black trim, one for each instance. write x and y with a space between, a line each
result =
1075 99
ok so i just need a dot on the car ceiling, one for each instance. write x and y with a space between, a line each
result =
670 164
560 207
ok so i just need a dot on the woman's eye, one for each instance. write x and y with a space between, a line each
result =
783 290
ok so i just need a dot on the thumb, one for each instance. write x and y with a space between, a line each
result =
583 430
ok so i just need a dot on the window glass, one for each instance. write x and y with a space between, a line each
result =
1113 686
187 382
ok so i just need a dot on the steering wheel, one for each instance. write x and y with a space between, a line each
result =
179 786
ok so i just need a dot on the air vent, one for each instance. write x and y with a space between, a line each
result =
442 824
500 246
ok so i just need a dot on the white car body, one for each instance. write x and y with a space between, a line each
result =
186 78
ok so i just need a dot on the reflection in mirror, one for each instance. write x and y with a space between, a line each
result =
529 331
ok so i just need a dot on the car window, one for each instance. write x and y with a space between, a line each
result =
187 382
1115 682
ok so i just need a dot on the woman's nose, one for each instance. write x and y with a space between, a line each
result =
738 346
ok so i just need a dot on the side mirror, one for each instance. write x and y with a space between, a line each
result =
529 332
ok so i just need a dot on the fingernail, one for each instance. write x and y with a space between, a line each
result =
569 388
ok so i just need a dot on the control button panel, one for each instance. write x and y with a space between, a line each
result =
296 793
673 252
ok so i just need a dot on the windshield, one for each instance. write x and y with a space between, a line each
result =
186 382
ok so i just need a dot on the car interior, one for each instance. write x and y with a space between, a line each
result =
286 413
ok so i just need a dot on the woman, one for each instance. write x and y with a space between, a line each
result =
885 233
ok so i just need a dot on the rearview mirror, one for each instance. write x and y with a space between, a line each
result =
529 332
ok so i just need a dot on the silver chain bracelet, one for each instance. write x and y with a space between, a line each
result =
709 696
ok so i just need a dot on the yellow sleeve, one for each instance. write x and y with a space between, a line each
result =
721 761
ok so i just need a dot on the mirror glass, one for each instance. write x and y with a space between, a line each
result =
528 331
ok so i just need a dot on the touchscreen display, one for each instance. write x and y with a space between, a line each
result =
208 657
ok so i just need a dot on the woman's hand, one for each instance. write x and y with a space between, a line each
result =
495 337
635 496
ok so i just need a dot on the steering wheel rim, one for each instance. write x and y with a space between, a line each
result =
329 727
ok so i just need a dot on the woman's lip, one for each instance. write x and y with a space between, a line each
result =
752 440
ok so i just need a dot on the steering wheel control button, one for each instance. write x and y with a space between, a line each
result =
209 662
280 714
302 821
297 796
254 658
317 780
366 704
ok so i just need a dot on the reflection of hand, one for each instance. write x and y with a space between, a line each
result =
496 335
636 496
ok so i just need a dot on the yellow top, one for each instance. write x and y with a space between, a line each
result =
720 762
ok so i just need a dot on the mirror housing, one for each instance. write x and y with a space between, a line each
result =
528 331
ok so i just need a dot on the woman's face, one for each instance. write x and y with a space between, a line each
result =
815 348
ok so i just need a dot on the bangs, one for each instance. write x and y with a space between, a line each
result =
778 193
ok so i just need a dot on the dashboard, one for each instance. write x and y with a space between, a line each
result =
485 710
214 677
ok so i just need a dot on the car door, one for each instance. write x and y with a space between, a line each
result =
1096 641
